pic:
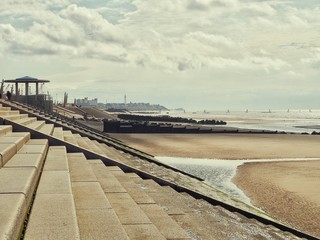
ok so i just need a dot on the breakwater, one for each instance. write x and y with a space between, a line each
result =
116 126
167 118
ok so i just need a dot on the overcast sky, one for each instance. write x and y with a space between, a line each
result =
196 54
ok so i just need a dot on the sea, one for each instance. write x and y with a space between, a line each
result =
219 172
294 120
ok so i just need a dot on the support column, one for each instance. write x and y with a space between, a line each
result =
27 89
37 90
17 90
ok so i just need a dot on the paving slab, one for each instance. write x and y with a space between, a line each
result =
56 159
109 183
80 169
12 212
166 225
53 217
100 224
54 182
126 209
89 195
143 231
18 180
167 203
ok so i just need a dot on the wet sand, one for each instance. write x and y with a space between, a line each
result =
288 191
225 146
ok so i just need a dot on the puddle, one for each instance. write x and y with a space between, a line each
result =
219 172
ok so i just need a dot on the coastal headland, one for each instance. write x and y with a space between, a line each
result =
285 190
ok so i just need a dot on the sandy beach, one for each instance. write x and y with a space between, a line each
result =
288 191
225 146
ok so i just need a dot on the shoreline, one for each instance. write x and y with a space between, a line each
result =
264 189
292 198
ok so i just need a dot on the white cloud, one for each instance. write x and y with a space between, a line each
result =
231 39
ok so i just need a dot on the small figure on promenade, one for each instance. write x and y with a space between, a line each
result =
0 95
8 95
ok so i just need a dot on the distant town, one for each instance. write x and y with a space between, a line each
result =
119 106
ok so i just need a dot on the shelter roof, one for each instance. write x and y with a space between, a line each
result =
26 79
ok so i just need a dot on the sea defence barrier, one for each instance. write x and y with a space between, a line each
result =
166 118
116 126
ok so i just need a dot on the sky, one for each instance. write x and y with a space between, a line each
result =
195 54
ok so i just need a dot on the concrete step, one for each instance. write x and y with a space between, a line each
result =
58 133
26 121
9 112
18 180
35 146
79 168
15 117
162 197
47 129
68 137
81 142
132 217
166 225
5 108
98 145
53 214
10 144
56 159
96 218
92 146
36 125
4 129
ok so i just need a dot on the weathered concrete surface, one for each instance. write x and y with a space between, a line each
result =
126 209
143 231
80 170
100 224
7 150
18 180
4 129
166 225
26 160
54 182
12 211
56 159
89 195
53 217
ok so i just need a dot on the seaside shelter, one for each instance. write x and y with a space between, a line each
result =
43 101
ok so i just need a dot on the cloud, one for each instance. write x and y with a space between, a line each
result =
249 43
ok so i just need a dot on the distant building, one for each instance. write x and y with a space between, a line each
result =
87 102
